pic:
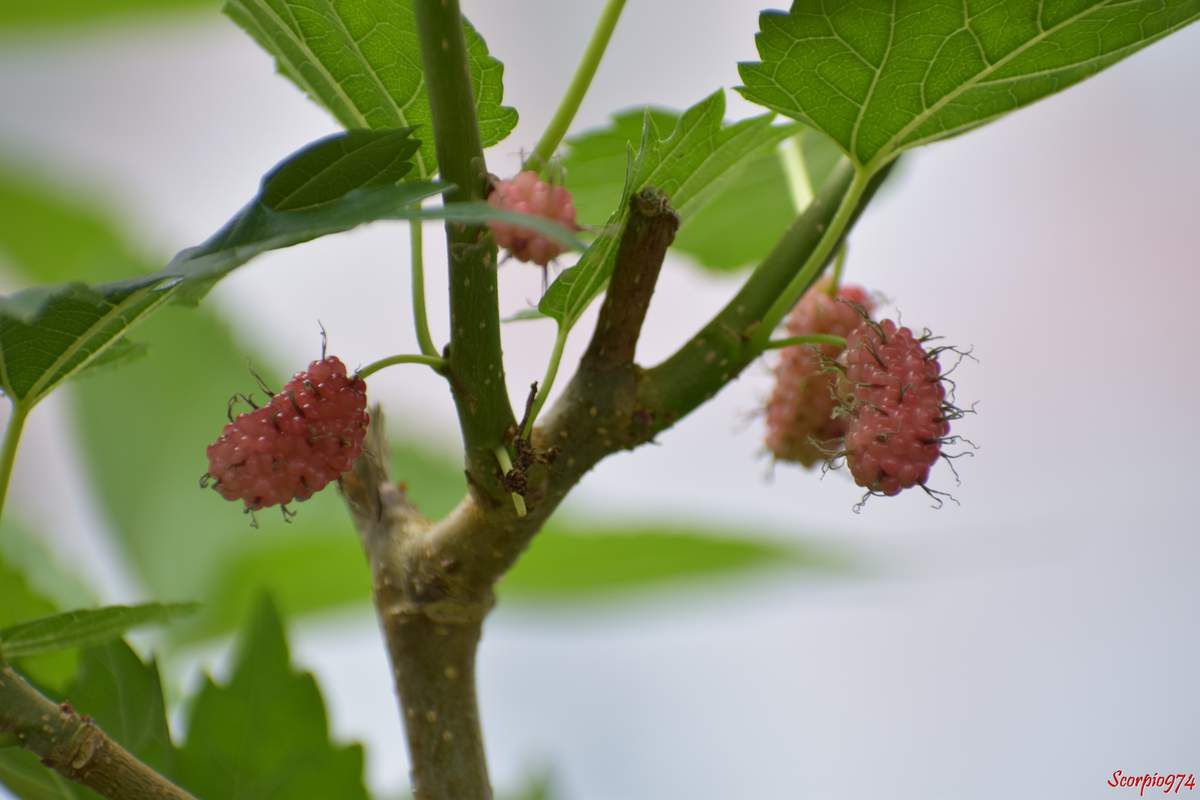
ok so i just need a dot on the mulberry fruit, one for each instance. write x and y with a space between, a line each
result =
801 424
309 434
528 194
896 408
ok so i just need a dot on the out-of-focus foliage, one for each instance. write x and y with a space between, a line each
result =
574 560
281 749
263 734
125 696
19 601
690 164
740 220
17 16
30 556
85 627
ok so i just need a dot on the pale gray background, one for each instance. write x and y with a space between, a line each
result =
1026 644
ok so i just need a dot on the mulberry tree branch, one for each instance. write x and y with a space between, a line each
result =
736 336
434 582
431 635
474 359
75 747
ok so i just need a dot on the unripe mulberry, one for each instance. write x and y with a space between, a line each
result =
801 425
897 414
528 194
309 434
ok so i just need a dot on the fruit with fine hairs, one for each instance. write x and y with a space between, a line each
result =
801 424
895 405
307 435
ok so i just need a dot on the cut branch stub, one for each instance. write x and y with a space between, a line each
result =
648 233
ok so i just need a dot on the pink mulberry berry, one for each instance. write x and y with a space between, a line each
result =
309 434
529 194
897 413
801 425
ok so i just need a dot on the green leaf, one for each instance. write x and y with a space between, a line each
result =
125 697
24 775
690 166
303 574
361 60
741 224
479 213
58 234
121 352
20 600
177 538
83 627
20 771
882 78
331 168
742 220
29 555
595 161
280 746
575 560
49 334
329 186
20 17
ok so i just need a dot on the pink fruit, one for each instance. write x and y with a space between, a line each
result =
897 415
528 194
309 434
801 425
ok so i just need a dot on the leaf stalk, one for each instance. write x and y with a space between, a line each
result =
560 123
809 339
830 238
539 400
436 362
8 451
420 318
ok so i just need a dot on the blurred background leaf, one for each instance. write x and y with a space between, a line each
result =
738 224
742 223
689 163
20 602
125 696
32 558
86 627
576 560
54 233
24 775
282 748
51 14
